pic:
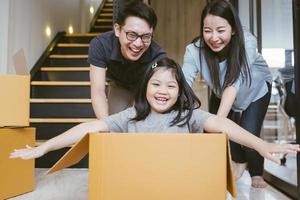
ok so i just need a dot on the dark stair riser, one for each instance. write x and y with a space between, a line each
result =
102 30
82 40
51 158
104 17
74 62
79 92
61 110
103 23
62 76
45 131
70 50
107 9
107 6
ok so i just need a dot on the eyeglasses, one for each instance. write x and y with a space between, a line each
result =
132 36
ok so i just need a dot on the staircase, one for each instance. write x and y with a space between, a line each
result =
60 87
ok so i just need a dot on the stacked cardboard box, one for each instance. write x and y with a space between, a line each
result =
17 176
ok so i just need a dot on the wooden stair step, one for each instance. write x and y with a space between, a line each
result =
60 120
106 14
104 20
64 69
60 83
33 100
73 45
82 34
61 56
103 26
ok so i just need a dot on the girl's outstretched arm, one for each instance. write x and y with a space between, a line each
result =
65 139
243 137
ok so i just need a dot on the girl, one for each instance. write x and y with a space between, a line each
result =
238 76
164 103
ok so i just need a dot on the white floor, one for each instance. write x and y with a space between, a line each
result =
246 192
70 184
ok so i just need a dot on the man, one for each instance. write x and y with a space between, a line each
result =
122 56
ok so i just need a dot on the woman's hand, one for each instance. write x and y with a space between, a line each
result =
28 153
270 150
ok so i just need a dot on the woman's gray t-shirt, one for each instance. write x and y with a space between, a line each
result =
259 71
159 123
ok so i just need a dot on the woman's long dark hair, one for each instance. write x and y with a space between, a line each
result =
186 101
236 56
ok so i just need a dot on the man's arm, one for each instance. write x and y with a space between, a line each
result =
99 101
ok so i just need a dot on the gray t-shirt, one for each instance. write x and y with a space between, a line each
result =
159 123
259 71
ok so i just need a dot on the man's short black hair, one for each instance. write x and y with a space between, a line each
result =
137 9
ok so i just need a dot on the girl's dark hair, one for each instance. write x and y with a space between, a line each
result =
237 63
138 9
187 100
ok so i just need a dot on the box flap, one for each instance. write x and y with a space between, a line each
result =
230 178
73 156
20 63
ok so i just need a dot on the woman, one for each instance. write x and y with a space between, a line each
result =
226 57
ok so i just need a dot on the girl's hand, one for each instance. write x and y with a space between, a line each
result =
269 150
28 153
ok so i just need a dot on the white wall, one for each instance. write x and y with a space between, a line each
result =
277 23
3 34
86 16
27 21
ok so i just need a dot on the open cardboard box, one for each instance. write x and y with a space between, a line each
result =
16 175
154 166
15 94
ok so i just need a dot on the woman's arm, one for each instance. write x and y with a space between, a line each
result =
65 139
227 100
190 65
243 137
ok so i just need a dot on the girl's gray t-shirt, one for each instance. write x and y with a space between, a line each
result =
155 123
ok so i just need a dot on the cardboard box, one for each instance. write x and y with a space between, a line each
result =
15 94
16 175
154 166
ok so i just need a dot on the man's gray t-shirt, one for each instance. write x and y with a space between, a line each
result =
159 123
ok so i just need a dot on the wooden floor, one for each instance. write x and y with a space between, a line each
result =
70 184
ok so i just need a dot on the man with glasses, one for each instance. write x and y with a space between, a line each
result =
122 56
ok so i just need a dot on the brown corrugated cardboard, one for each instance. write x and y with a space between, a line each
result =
14 97
15 94
154 166
16 175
